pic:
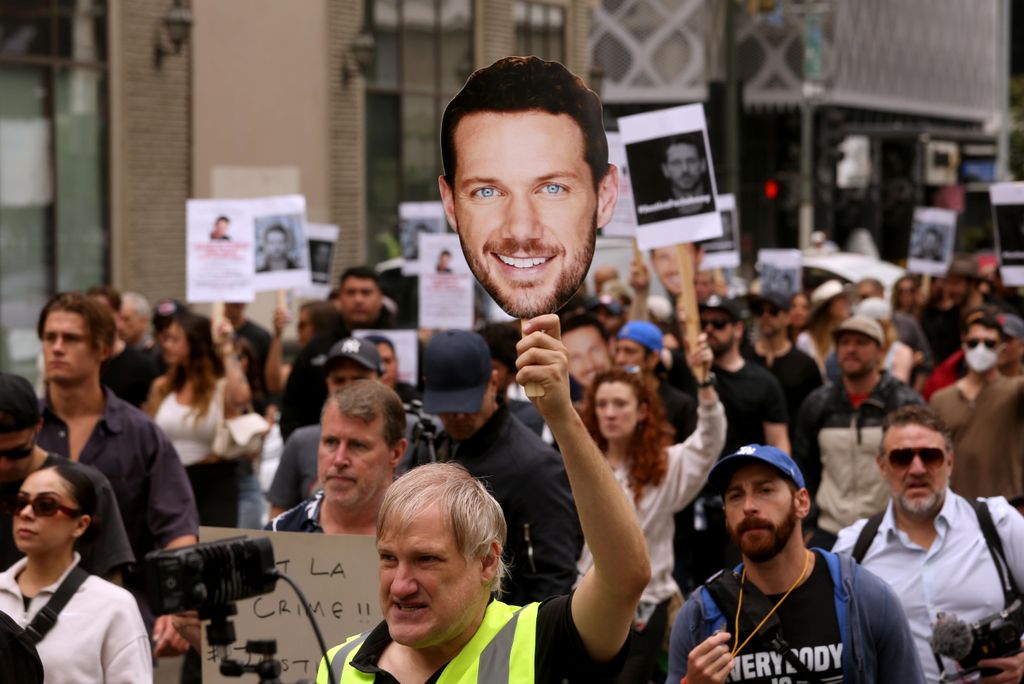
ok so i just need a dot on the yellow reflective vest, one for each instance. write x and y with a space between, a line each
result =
502 650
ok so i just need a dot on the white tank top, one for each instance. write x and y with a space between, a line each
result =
192 438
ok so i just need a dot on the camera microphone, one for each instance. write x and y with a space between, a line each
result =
951 637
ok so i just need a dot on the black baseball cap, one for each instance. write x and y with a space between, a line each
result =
779 300
456 372
362 351
18 401
716 303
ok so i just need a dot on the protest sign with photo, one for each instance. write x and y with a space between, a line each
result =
623 223
780 270
414 219
323 239
1008 211
282 252
219 251
406 346
338 575
932 236
724 251
445 284
672 176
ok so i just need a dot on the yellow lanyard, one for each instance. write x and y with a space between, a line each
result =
771 612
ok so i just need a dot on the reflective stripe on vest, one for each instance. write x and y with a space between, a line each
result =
501 650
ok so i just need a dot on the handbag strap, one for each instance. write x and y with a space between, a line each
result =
46 618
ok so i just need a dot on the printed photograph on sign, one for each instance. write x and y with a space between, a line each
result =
672 176
526 181
932 238
323 240
1008 211
415 219
780 270
282 249
623 223
445 284
724 252
219 251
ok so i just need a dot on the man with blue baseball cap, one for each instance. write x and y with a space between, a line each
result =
638 345
786 613
525 474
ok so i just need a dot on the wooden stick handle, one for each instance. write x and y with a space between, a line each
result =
532 389
684 253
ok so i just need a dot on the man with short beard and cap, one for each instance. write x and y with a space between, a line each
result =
786 613
839 429
929 544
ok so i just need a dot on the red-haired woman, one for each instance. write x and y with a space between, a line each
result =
625 416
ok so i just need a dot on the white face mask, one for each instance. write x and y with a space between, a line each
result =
980 358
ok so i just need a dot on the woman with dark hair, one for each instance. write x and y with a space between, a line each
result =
99 635
203 384
799 312
625 418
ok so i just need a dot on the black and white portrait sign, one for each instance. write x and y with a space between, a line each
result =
724 252
323 239
415 219
282 256
672 176
932 236
780 270
1008 212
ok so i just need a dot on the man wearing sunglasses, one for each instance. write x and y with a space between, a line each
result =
929 545
985 414
108 550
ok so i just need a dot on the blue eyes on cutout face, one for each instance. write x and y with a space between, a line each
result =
487 193
548 189
553 188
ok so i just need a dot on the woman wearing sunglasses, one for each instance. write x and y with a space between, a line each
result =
625 417
99 635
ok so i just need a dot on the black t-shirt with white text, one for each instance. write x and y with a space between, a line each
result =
809 626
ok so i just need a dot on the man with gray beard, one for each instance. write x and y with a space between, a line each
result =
930 545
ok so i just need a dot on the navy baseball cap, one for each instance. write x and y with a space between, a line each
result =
779 300
456 372
721 474
18 401
363 352
643 333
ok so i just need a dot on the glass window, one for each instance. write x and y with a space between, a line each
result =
540 30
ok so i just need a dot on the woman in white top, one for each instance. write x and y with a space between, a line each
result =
203 381
625 417
99 635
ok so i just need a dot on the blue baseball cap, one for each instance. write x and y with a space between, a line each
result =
456 372
643 333
722 473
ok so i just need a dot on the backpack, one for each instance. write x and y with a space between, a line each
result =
19 660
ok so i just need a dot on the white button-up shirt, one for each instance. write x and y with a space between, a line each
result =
957 574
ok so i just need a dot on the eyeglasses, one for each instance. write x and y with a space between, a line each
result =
716 323
930 456
767 309
971 344
43 505
19 452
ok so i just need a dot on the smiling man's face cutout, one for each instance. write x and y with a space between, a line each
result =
520 187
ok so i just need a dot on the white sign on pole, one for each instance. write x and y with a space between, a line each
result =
338 575
932 236
406 345
1008 209
780 270
415 219
282 252
445 284
724 252
623 223
218 251
323 240
672 176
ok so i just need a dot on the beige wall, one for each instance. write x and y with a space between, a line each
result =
260 93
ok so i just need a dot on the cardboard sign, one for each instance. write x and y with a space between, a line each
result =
406 345
415 219
219 251
445 284
1008 211
672 176
932 236
724 252
282 252
338 575
780 270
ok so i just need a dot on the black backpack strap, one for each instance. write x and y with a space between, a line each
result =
725 590
46 618
995 547
867 535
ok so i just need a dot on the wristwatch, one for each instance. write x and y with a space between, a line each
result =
710 381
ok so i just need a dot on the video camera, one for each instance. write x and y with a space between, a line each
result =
995 636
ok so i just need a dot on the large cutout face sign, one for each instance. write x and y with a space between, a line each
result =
527 181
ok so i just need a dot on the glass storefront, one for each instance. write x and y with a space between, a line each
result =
54 230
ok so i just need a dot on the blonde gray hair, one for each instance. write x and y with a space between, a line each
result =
471 512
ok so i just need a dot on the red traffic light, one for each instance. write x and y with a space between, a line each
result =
771 189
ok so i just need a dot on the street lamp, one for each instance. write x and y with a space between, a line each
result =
178 24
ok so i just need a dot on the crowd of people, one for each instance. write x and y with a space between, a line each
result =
754 510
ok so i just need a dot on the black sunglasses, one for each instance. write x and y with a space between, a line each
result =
930 456
19 452
716 323
43 505
991 344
